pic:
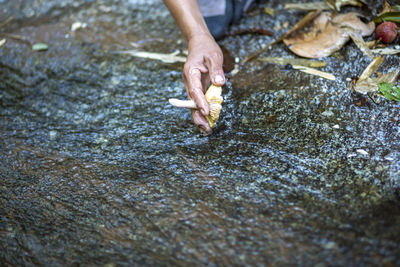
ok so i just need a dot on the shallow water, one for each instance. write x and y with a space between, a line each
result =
97 169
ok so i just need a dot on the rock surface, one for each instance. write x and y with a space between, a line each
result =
96 168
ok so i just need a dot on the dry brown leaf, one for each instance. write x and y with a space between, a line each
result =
386 51
328 34
372 67
361 44
386 8
312 71
367 84
298 26
309 6
372 84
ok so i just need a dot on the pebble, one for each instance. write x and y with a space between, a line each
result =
330 245
52 135
327 113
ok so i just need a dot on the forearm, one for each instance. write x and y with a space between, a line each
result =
188 17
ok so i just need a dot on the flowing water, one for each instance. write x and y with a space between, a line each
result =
96 168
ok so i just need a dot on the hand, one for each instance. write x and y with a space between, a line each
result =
203 65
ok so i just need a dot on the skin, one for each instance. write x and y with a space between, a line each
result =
204 62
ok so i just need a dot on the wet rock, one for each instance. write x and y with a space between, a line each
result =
96 163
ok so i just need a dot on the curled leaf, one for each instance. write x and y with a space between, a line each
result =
369 85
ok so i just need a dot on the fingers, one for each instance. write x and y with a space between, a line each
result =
201 122
195 90
214 65
203 66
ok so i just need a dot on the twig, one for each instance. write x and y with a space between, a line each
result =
13 36
6 21
252 31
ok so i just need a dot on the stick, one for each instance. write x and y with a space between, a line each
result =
182 103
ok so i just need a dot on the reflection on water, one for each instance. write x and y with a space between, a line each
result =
97 168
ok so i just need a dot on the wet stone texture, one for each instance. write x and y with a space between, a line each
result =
97 169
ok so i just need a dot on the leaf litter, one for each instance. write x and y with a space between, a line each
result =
328 34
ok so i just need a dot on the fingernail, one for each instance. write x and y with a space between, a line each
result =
219 79
204 131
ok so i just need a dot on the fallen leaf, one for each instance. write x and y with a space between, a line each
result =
166 58
298 26
386 8
340 3
328 34
372 84
309 6
386 51
361 44
295 61
372 67
312 71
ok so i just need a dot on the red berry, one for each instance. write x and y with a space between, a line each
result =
387 31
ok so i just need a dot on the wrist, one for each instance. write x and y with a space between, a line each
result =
199 38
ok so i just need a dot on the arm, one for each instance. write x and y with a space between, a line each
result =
204 61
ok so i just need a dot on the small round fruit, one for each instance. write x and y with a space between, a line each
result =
387 31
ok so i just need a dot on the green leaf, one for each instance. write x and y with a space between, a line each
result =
389 91
388 16
40 47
